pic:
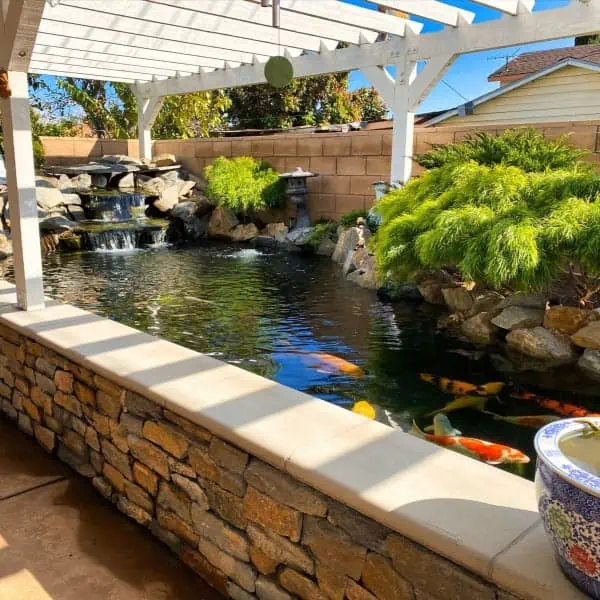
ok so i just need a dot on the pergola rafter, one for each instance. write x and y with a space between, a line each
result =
164 47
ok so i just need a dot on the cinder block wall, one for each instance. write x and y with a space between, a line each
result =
348 163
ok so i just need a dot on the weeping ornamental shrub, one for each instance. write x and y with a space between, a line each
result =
243 184
520 213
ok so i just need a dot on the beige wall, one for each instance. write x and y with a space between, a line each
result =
568 94
348 163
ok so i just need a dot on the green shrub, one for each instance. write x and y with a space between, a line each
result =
523 148
349 219
499 224
322 229
243 184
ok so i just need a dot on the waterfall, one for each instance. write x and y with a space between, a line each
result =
155 237
121 239
113 206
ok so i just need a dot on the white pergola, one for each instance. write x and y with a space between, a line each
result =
164 47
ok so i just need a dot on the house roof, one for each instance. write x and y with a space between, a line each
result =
567 62
531 62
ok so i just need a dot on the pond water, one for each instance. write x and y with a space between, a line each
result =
269 312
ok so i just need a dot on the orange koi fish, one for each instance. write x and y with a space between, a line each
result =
462 388
559 407
336 364
533 421
488 452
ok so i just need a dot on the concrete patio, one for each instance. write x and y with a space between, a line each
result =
60 539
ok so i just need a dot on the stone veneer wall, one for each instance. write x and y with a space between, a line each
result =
247 528
348 163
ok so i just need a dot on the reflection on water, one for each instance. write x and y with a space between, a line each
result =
266 311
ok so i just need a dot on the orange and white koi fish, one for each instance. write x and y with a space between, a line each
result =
462 388
533 421
475 402
336 364
559 407
488 452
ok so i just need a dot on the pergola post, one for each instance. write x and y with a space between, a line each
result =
404 123
148 109
20 171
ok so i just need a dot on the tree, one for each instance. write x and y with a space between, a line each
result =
111 109
322 99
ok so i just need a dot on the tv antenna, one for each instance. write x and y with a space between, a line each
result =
505 57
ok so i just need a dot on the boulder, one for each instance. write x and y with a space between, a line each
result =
100 181
5 244
114 159
152 186
364 233
56 224
397 292
71 199
81 183
518 317
48 197
567 319
525 300
127 182
542 344
347 242
366 276
299 236
222 221
326 247
185 188
349 264
165 160
184 211
46 182
278 231
589 363
170 177
167 199
479 329
203 204
588 336
486 301
200 182
244 233
432 292
458 299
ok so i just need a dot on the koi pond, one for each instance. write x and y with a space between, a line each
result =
296 320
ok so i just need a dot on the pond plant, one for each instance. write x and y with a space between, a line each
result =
244 184
517 212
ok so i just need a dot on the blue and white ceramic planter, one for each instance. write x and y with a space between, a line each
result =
569 504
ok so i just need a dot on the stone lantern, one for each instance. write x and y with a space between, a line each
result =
297 192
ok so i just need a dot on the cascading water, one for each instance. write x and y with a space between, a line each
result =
113 206
111 240
127 236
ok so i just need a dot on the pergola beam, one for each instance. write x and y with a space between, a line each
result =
20 22
575 19
429 9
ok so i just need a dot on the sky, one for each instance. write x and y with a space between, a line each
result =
467 77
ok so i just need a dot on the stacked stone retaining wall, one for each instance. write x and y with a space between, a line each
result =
247 528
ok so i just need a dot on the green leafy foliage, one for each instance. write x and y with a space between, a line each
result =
498 219
111 110
318 100
525 148
349 219
244 184
323 229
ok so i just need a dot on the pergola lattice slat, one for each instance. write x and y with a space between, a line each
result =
164 47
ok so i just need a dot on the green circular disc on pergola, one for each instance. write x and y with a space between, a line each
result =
279 71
